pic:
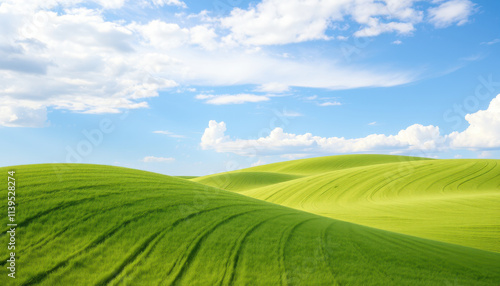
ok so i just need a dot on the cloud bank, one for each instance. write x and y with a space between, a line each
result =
66 54
273 22
483 133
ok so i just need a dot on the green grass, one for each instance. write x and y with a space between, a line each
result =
266 175
453 201
241 181
319 165
187 177
102 225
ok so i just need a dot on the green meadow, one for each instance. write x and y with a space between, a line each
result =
455 201
341 220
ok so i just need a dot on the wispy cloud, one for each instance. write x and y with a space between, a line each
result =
231 98
451 12
492 42
273 87
169 134
372 123
169 3
153 159
330 103
122 62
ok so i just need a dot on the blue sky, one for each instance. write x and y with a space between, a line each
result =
199 87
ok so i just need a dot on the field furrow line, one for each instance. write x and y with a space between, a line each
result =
353 174
353 184
100 239
43 241
493 178
485 172
160 237
130 259
306 199
61 206
325 252
285 237
389 181
40 243
179 268
446 175
461 178
275 194
76 188
227 278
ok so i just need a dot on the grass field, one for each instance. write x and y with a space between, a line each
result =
453 201
102 225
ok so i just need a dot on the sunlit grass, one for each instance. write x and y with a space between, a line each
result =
98 225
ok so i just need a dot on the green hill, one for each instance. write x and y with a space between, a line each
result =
244 180
453 201
319 165
101 225
266 175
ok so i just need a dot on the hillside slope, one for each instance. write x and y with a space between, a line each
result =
101 225
454 201
266 175
311 166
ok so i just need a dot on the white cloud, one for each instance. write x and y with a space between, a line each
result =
76 59
169 3
204 36
330 103
278 22
231 98
213 135
153 159
169 134
482 134
168 36
397 42
108 67
273 87
372 123
451 12
375 28
483 130
110 4
16 115
274 22
280 143
162 35
92 71
234 67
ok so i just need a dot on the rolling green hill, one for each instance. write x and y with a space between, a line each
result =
101 225
245 180
266 175
319 165
453 201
